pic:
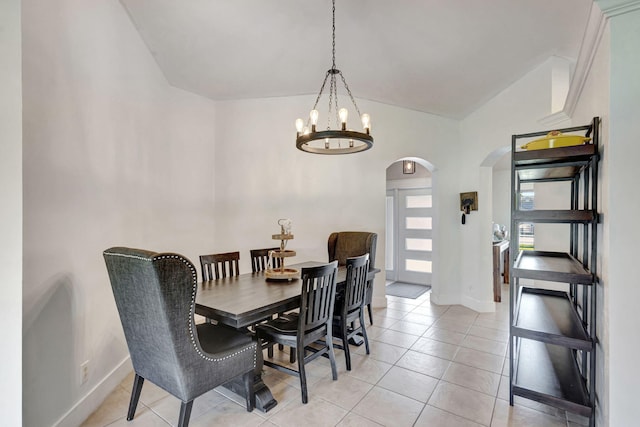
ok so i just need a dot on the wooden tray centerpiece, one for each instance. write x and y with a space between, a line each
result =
281 273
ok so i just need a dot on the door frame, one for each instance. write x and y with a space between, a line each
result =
391 229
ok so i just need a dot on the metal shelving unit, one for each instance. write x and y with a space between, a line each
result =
552 333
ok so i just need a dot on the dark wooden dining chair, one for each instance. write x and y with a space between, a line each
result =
260 257
350 304
312 324
155 296
344 244
259 262
215 266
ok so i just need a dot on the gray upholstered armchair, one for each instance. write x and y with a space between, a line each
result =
155 295
345 244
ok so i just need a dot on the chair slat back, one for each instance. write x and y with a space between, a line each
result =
215 266
356 283
260 259
317 296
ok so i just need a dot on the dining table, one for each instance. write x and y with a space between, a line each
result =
247 299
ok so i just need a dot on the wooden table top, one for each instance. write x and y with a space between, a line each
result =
249 298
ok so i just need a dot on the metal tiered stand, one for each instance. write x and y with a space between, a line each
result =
282 273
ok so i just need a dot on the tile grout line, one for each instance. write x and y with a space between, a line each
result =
495 398
440 380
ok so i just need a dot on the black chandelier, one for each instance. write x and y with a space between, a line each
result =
330 141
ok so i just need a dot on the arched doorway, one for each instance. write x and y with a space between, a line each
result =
496 183
409 222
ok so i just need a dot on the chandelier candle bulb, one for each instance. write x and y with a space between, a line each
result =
299 125
343 113
366 122
313 115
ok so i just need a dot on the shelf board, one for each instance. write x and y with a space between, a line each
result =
549 374
551 266
549 316
576 153
555 216
562 172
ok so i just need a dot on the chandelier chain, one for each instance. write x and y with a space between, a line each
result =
333 32
344 82
332 89
335 100
324 82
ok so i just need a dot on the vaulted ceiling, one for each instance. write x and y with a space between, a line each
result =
445 57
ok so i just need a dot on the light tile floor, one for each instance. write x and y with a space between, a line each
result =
429 365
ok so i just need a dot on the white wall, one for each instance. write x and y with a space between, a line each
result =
112 156
261 176
623 152
11 213
486 135
501 203
594 100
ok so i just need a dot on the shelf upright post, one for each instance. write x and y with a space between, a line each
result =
514 249
575 191
595 128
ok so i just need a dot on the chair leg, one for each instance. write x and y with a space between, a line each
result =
332 357
370 314
138 381
292 355
302 373
364 331
248 389
185 413
345 346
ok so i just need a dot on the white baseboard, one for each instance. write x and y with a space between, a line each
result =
92 400
445 299
379 302
479 306
456 299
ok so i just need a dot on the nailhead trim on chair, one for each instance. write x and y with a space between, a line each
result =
127 256
193 303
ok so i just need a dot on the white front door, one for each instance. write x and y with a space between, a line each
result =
410 212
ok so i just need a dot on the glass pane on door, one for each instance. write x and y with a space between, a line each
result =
418 223
418 266
419 201
418 244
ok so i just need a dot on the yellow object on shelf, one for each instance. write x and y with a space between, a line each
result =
555 139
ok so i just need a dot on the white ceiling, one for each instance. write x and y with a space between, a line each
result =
445 57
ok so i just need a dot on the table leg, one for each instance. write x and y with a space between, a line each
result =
506 265
497 290
264 399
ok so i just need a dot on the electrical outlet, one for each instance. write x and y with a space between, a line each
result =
84 372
